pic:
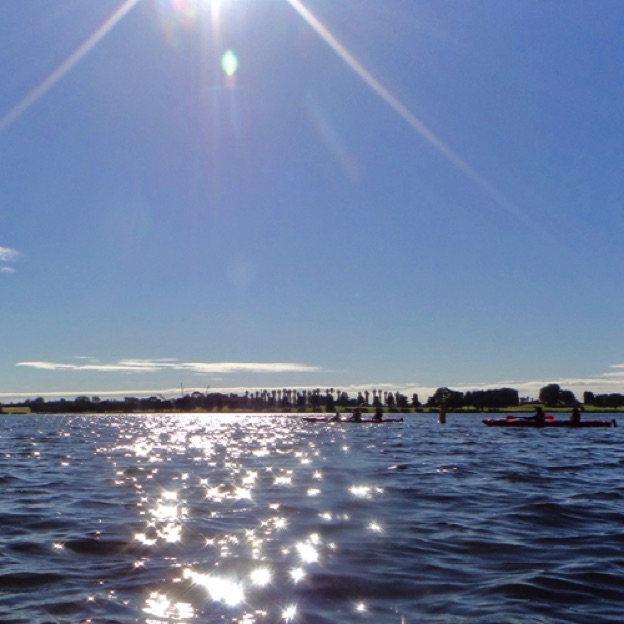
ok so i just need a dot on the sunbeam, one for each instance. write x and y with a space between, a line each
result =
402 110
66 66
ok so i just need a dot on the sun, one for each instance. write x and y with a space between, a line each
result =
178 16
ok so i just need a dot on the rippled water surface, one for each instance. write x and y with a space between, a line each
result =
265 519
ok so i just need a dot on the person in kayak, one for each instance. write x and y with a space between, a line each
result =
357 415
575 417
378 417
539 417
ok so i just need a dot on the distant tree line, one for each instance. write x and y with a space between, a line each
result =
328 400
478 400
603 400
553 396
263 400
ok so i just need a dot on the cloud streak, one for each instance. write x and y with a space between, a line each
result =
170 365
605 383
8 255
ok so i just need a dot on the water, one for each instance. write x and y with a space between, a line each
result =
265 519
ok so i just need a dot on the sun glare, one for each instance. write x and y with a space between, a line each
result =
227 591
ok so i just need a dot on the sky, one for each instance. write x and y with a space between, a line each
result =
226 195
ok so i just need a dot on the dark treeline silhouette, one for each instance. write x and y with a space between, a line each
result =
478 400
328 400
603 400
553 396
265 400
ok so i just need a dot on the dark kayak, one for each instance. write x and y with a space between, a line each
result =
320 419
512 421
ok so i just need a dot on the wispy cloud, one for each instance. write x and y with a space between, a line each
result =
8 255
170 365
599 384
602 383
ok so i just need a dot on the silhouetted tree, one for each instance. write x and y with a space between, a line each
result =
495 398
550 395
401 400
330 405
588 397
567 398
452 398
343 399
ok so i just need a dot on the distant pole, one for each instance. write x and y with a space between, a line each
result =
182 390
442 416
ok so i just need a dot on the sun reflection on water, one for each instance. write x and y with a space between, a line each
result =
297 574
229 592
289 613
163 608
261 577
220 500
307 552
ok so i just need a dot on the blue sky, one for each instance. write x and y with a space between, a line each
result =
395 194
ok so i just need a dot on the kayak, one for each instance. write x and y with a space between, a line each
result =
512 421
317 419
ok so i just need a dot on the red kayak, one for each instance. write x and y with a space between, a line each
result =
514 421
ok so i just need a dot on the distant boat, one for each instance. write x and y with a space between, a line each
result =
321 419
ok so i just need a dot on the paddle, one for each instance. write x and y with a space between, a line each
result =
512 417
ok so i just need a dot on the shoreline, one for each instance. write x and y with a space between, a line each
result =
26 411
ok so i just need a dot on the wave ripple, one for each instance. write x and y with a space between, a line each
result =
264 519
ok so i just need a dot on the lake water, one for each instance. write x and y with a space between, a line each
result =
264 519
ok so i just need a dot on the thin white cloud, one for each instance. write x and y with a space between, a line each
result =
165 365
8 255
604 383
598 384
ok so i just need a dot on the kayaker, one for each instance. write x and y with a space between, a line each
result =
539 416
378 417
575 417
357 415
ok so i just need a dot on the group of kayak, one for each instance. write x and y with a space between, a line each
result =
539 419
356 417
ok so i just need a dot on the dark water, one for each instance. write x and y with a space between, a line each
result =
265 519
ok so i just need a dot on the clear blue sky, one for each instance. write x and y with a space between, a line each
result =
396 194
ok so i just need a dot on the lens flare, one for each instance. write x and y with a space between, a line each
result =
229 63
